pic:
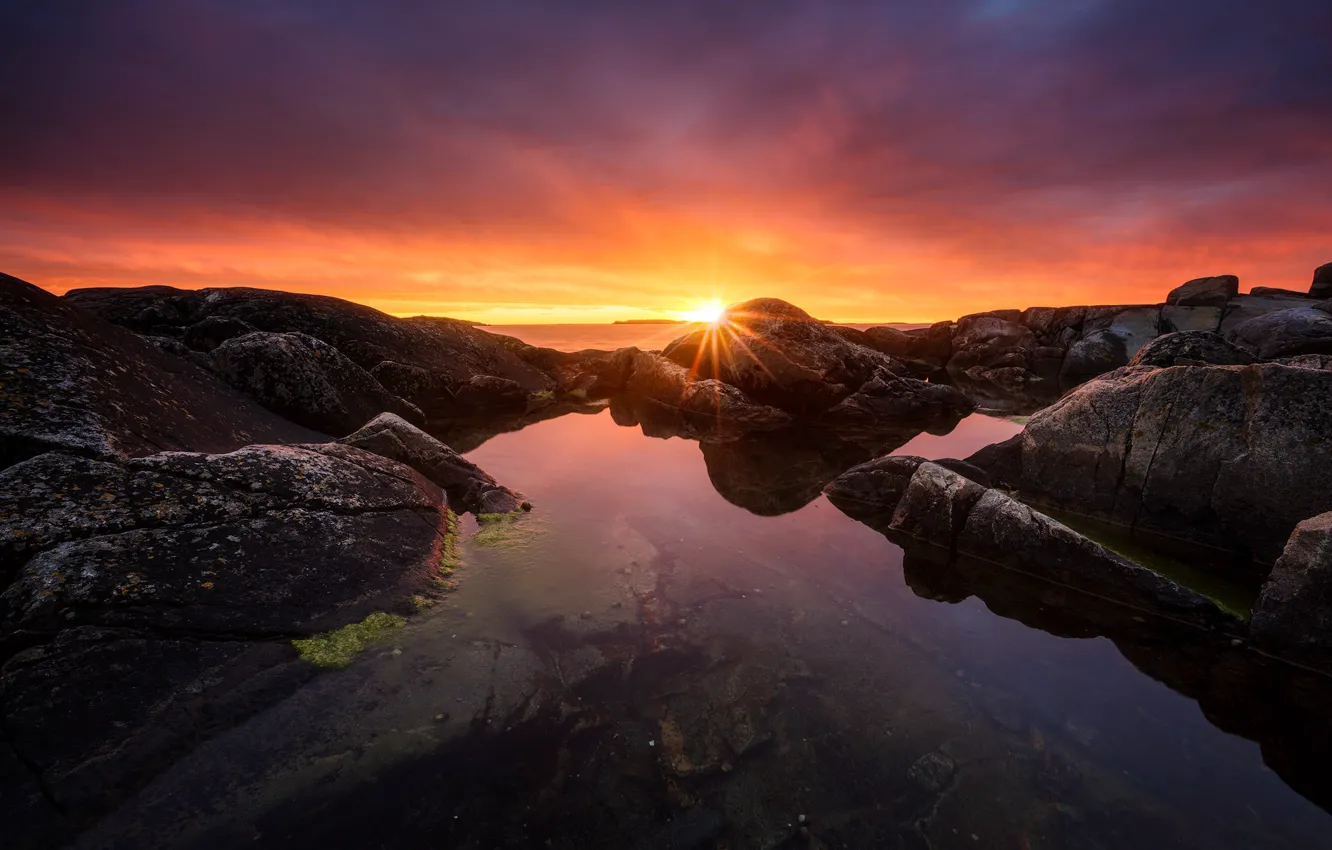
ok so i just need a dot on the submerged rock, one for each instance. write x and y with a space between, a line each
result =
1295 606
76 383
469 487
306 380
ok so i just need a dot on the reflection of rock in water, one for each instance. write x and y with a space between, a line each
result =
1283 707
465 435
771 472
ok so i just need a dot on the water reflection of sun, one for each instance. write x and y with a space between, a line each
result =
707 312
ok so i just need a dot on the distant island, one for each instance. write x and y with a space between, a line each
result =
649 322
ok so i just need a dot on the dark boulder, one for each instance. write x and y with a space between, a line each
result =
1095 354
889 398
76 383
923 351
1190 348
1322 282
1295 606
589 374
431 392
306 380
212 331
489 394
1285 333
468 486
1205 291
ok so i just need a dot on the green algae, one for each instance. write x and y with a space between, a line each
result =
1231 593
504 530
450 554
337 648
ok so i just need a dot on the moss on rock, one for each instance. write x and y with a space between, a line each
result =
338 647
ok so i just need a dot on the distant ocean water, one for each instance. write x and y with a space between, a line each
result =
578 337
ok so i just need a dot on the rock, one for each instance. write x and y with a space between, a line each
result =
889 398
1322 282
1001 461
468 486
778 355
306 380
75 383
1284 333
488 394
1308 361
935 505
1190 319
931 772
656 378
366 336
1277 291
873 487
1190 348
957 514
1099 352
153 600
924 349
591 374
1295 605
1227 456
211 331
430 391
1242 308
1205 291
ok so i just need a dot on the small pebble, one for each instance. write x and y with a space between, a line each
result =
586 615
1236 642
439 717
397 651
680 622
846 622
800 819
652 743
617 604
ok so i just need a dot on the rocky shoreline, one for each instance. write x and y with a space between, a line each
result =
194 480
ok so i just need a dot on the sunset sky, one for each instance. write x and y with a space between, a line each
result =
538 161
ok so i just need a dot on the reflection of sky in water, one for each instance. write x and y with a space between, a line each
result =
588 478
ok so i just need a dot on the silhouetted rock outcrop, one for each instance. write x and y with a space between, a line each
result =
1205 291
448 353
1322 282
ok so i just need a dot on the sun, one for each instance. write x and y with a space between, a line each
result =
707 312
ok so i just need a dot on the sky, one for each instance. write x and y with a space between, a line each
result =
515 161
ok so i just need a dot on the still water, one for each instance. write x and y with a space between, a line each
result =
643 662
